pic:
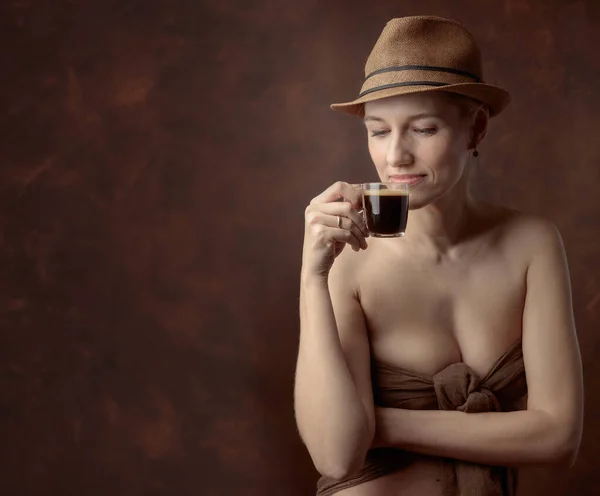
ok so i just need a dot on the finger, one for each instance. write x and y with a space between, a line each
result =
319 219
343 209
345 236
346 224
323 228
349 225
322 222
340 191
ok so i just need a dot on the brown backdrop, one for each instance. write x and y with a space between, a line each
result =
156 158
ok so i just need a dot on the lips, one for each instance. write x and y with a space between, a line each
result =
410 179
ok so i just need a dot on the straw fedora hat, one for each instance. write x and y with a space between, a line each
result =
425 54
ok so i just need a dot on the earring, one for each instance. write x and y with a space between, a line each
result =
475 153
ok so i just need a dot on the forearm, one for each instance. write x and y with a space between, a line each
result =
496 438
331 416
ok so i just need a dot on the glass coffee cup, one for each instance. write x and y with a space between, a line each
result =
385 208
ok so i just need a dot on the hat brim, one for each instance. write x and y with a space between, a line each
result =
494 97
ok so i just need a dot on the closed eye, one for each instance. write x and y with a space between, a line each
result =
426 131
379 132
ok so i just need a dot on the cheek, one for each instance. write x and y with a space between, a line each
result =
446 156
378 154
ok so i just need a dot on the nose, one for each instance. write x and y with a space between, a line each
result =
399 152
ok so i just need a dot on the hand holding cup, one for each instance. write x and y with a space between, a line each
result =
332 220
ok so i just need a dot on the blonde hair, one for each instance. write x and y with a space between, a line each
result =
469 107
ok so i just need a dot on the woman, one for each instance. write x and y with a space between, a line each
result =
413 351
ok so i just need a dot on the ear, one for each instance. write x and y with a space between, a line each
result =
479 127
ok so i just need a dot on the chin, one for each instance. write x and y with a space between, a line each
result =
417 201
417 205
421 197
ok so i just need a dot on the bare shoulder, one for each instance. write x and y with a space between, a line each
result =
524 238
528 235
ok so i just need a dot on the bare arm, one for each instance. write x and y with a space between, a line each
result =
333 398
549 431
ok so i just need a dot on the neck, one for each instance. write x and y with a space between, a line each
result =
440 226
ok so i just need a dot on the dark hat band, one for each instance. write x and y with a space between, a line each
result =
396 85
433 68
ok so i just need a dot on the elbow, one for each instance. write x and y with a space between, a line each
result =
565 455
339 469
557 442
342 454
565 449
343 461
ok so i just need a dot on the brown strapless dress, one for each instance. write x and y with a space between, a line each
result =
456 387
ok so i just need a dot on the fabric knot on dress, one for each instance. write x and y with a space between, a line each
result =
457 387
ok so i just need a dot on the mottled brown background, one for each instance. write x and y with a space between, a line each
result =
156 157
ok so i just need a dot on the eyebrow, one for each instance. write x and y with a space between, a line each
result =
411 118
372 118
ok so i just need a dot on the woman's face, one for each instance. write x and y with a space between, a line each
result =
423 140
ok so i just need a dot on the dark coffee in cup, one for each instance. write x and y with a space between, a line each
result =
386 212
